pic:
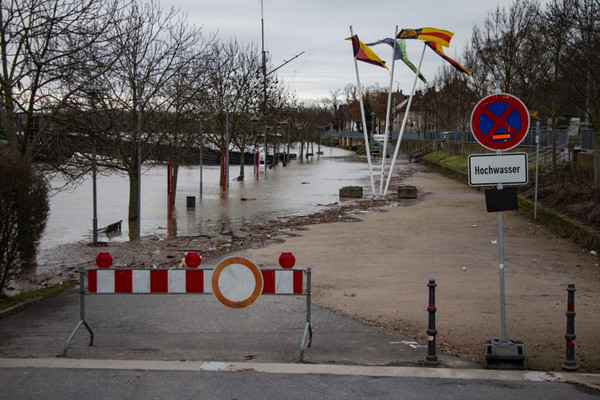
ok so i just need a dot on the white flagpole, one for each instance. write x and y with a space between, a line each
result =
364 122
387 115
404 121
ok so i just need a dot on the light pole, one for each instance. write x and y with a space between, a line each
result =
139 160
264 71
201 151
286 158
94 91
372 123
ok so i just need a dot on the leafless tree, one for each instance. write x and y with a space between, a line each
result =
502 47
155 47
41 45
182 116
584 72
550 65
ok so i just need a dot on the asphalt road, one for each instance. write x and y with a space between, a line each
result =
191 346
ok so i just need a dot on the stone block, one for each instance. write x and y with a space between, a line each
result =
407 192
351 191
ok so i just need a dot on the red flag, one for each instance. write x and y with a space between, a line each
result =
362 52
440 52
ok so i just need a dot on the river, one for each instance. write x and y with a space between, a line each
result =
300 188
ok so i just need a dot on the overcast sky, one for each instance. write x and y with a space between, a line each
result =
319 27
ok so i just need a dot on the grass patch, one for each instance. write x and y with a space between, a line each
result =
9 301
451 161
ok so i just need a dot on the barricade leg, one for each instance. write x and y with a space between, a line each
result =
82 320
307 336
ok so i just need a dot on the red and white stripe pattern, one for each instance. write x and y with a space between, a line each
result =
104 280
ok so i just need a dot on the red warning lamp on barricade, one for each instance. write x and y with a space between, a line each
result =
287 260
192 259
104 260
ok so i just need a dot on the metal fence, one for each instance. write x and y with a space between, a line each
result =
587 139
562 138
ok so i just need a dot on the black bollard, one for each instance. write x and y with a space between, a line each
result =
431 358
570 364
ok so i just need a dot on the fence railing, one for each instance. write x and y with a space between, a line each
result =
545 141
587 139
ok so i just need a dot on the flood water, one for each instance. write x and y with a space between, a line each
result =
300 188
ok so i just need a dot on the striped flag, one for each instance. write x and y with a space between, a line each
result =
362 52
440 52
435 35
400 53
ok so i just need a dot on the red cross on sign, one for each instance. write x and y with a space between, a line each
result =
500 122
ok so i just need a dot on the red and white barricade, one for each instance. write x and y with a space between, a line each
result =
235 281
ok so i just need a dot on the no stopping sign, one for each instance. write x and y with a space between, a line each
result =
500 122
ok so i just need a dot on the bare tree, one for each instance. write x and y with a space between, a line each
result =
155 46
187 91
551 64
41 47
235 96
39 44
584 74
502 47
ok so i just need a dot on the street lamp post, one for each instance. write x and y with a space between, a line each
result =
287 155
94 91
139 159
373 123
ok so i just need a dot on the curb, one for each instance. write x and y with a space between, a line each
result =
591 381
18 307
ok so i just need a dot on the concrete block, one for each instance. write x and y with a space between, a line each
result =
352 191
407 192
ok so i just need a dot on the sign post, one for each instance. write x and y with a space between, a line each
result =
500 122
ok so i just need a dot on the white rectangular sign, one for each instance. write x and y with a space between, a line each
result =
492 169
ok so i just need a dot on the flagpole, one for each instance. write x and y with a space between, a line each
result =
387 115
364 121
404 121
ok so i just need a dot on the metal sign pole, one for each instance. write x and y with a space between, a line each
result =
501 245
500 122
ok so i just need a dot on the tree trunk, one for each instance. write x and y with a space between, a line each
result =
242 162
133 204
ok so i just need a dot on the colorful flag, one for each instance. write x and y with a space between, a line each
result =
428 34
363 53
400 53
440 52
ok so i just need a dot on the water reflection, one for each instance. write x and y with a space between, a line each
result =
298 189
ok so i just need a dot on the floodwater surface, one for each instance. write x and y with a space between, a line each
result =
299 189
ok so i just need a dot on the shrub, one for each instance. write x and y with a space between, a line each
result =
23 213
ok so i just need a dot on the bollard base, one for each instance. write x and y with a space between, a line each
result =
432 361
570 366
504 355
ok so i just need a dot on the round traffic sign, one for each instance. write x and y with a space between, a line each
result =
500 122
237 282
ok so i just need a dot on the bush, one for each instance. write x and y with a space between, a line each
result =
23 213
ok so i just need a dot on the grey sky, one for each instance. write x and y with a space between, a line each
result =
319 28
